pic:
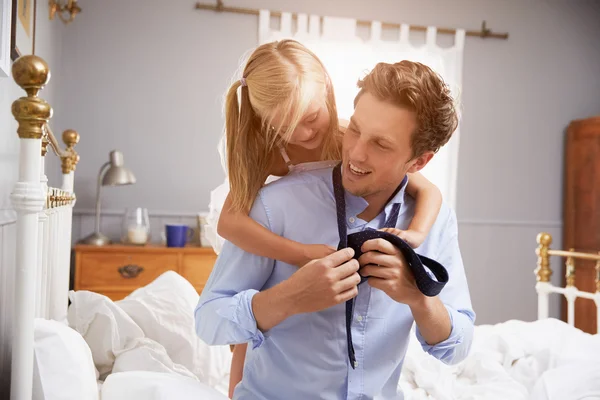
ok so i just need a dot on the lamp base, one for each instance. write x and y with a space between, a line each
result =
96 239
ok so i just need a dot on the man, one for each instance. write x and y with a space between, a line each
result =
295 319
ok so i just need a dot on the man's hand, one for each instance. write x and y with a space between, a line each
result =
318 285
387 270
325 282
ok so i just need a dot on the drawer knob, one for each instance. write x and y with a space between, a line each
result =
130 271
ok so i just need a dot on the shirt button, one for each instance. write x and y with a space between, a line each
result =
351 219
359 318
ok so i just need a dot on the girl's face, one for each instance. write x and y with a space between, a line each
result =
312 128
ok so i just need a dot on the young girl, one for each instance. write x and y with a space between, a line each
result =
284 118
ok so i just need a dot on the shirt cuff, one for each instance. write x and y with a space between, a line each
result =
444 349
240 313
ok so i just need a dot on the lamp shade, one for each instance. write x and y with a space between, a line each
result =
117 174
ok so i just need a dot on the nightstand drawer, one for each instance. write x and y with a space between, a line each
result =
196 268
104 270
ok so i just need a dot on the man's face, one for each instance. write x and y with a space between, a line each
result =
376 149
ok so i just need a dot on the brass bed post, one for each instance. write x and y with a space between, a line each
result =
31 112
70 158
543 271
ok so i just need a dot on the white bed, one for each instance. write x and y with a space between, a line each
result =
145 347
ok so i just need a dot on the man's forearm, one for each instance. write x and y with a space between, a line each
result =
271 307
431 316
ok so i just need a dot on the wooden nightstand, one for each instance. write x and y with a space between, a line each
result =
117 270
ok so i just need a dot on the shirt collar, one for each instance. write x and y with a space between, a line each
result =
398 198
356 205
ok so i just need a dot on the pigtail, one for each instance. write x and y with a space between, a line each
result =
248 155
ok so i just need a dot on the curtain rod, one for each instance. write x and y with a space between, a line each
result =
483 33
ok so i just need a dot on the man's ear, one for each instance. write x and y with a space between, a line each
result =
420 162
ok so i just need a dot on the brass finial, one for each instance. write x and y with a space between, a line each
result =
71 158
543 271
70 137
545 239
31 73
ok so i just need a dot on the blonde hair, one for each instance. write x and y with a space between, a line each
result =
420 89
280 78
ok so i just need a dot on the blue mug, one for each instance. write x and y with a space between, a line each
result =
178 235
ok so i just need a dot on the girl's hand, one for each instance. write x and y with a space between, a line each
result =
412 237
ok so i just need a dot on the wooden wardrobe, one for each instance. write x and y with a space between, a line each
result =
581 225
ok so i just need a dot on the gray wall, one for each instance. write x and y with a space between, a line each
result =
49 47
147 77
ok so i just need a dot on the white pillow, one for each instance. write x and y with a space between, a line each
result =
106 328
63 364
156 386
164 310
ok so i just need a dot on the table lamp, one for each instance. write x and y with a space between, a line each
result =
112 173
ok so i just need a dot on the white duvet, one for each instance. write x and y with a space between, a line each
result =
145 347
514 360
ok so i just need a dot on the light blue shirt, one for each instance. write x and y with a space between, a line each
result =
305 356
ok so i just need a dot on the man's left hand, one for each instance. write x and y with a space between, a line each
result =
387 270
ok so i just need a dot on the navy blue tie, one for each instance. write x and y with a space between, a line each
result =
426 284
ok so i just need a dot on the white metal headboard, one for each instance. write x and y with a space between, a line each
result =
44 219
571 293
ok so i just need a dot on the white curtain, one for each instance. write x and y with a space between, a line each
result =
348 57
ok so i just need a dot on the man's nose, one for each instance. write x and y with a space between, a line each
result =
359 151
